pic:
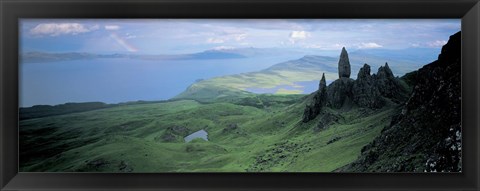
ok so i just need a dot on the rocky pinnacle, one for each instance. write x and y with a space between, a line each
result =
344 65
323 83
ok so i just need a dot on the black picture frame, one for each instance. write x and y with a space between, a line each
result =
12 10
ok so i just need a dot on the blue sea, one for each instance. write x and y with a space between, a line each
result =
121 79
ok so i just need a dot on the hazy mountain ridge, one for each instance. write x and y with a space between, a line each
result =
39 57
423 55
287 77
219 53
410 55
286 73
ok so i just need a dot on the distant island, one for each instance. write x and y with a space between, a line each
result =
35 57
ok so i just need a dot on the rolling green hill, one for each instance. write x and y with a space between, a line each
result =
130 138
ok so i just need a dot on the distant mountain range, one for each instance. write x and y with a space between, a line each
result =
418 55
424 55
37 57
219 53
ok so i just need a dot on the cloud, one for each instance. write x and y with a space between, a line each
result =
226 36
56 29
231 36
437 43
112 27
223 48
296 36
130 36
369 45
215 40
240 37
218 33
431 44
267 24
299 35
335 46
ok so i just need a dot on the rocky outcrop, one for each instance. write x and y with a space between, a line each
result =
344 65
309 113
319 100
365 92
425 136
389 86
369 91
322 86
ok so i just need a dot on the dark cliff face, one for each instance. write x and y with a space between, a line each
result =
426 134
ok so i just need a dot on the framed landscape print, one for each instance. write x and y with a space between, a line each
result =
211 94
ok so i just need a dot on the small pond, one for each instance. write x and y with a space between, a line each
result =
199 134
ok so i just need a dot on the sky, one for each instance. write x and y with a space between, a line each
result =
178 36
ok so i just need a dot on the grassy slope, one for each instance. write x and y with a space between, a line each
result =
269 137
287 73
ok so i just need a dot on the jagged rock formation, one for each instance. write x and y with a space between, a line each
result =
319 100
388 86
425 136
365 91
344 65
370 91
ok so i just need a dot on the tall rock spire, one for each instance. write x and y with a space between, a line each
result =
344 65
322 92
323 83
318 101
